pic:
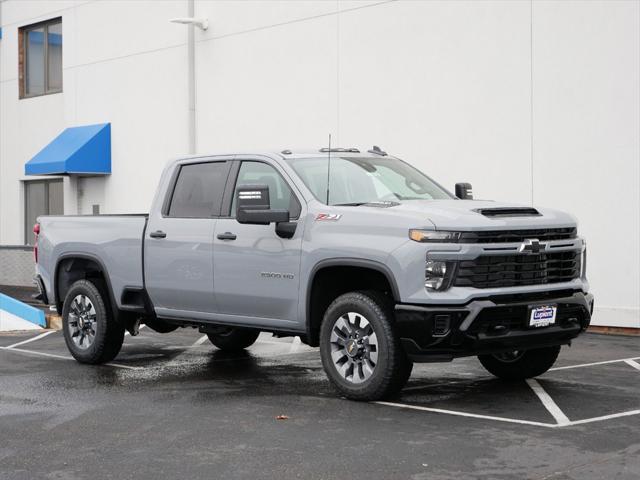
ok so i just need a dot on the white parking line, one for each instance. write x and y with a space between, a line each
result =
200 341
32 339
127 367
511 420
295 344
465 414
548 402
175 361
272 342
593 364
604 417
633 363
62 357
561 419
31 352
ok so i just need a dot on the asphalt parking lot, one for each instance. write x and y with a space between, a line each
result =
172 406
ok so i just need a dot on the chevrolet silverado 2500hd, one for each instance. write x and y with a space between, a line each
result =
358 253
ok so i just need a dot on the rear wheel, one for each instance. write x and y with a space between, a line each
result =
361 353
91 333
520 364
234 338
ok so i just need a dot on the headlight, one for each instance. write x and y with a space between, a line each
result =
418 235
435 274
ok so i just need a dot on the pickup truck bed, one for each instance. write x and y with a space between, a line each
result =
113 240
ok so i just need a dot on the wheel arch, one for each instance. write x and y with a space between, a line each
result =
382 278
89 266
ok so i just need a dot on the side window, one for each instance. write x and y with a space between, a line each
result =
280 195
198 190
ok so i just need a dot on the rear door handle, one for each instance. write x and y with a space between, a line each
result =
158 234
227 236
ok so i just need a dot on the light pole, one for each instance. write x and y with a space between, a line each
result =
202 24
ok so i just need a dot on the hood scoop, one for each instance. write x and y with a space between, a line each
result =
508 212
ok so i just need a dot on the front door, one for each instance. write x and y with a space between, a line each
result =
256 271
179 241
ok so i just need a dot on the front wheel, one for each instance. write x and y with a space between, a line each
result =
91 333
520 364
360 351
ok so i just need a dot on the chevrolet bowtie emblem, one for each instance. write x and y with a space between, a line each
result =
531 245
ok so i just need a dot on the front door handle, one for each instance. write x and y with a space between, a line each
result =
227 236
158 234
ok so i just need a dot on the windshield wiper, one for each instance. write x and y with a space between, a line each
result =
372 203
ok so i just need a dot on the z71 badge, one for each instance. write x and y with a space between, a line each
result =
328 217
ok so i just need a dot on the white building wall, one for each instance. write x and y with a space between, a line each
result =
529 101
25 125
586 135
123 63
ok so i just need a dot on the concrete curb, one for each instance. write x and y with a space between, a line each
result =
627 331
54 321
16 313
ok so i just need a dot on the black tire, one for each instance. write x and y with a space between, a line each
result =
391 368
108 333
520 365
234 338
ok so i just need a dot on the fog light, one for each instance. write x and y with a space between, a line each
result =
434 274
441 325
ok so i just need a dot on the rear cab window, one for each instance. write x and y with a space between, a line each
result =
198 190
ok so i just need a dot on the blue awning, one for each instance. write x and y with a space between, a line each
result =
82 150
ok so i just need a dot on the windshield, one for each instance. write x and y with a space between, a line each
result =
354 181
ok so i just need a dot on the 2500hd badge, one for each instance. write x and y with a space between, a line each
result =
287 276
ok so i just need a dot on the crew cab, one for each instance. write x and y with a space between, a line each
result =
358 253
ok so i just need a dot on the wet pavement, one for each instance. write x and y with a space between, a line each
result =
172 406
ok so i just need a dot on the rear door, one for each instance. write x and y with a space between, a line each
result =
179 240
256 271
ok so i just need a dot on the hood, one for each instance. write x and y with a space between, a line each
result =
466 215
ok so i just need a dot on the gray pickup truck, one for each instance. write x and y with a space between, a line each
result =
358 253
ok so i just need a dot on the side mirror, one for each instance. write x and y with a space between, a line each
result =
464 191
252 206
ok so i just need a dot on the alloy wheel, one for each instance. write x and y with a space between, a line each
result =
82 322
354 347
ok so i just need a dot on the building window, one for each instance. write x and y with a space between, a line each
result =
40 58
42 197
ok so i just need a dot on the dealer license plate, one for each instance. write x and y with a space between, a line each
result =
543 316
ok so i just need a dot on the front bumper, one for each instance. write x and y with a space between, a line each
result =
490 325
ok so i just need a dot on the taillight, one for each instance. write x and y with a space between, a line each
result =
36 231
